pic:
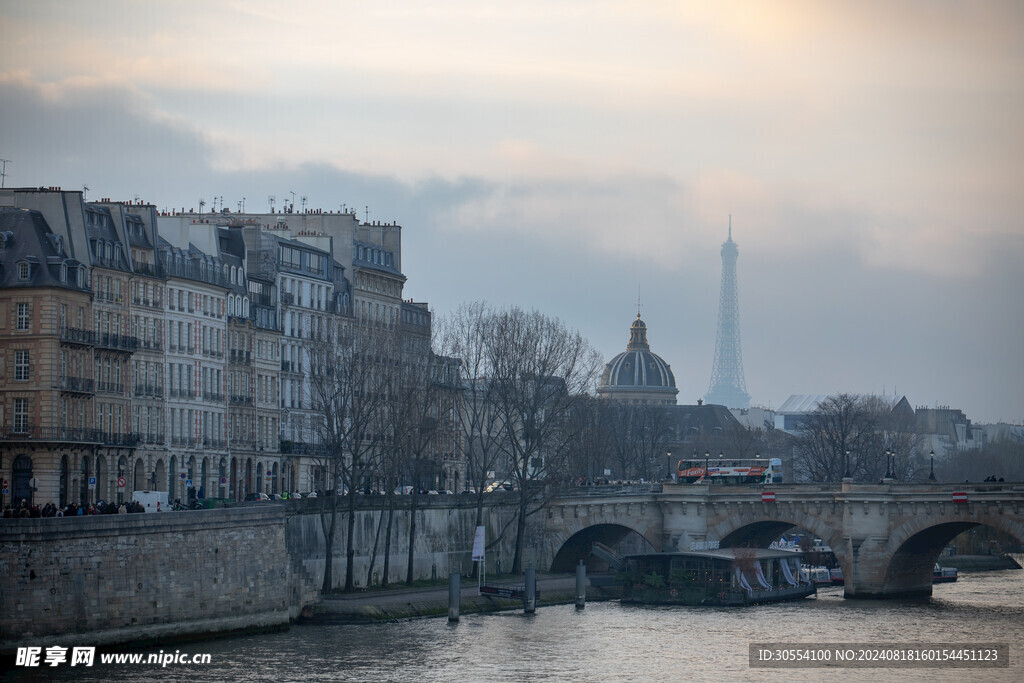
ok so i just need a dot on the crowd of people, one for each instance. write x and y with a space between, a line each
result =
25 509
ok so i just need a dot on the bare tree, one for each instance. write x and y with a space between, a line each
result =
541 370
839 439
348 384
466 334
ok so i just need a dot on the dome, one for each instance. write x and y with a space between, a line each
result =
638 375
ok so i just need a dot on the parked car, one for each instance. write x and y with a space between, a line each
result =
256 496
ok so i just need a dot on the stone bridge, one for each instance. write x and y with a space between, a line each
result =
886 537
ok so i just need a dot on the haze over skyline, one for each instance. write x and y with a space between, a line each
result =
557 155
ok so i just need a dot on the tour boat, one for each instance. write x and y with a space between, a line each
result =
944 574
819 576
722 576
837 576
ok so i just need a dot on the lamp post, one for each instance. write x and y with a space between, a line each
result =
846 475
668 465
707 475
931 474
888 471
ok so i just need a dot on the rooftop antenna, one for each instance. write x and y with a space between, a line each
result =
85 193
367 215
202 203
3 172
270 200
291 209
638 306
303 203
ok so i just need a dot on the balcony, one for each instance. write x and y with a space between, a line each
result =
128 439
149 345
182 440
213 397
154 390
287 298
181 393
52 434
241 400
148 303
209 442
77 385
300 448
74 335
241 357
117 342
109 387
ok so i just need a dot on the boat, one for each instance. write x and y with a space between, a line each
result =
720 576
942 574
819 576
837 576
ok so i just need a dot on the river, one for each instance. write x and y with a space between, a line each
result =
609 642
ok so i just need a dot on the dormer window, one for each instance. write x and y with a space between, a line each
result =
24 270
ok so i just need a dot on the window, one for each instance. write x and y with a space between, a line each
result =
21 365
21 415
24 316
23 270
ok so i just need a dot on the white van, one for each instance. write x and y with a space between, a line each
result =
150 500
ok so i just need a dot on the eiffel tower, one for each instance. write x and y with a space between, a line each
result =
728 387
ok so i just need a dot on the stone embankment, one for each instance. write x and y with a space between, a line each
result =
413 603
979 563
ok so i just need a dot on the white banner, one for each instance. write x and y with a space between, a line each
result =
478 544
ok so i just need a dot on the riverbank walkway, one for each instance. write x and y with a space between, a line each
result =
394 604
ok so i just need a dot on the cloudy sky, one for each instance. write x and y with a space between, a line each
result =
565 155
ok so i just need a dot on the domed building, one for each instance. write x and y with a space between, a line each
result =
637 376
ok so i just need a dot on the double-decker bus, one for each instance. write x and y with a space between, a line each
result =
726 471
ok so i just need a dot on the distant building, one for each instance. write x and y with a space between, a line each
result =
950 430
148 351
795 410
638 376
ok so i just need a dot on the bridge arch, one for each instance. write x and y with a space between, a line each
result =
759 531
575 542
914 547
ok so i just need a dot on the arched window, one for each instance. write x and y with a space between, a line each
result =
245 307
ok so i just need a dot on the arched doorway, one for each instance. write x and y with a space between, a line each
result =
259 477
138 482
158 475
62 493
233 484
101 468
222 473
172 479
204 483
21 474
247 483
83 484
275 479
122 471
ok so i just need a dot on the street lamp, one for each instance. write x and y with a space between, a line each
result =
888 470
707 475
668 464
847 474
931 475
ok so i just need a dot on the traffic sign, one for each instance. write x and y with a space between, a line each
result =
223 481
188 483
182 476
959 497
121 483
768 496
92 483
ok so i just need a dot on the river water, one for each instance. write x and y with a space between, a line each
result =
610 642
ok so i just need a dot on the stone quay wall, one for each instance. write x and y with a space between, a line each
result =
154 577
144 577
